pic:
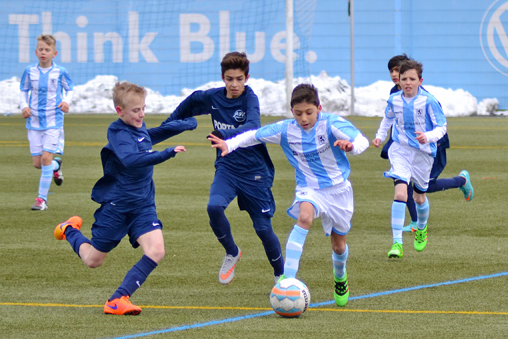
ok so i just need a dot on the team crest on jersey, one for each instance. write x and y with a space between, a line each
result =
419 112
239 116
321 139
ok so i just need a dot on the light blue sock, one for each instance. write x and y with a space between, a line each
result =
56 165
45 182
423 214
398 215
294 249
339 263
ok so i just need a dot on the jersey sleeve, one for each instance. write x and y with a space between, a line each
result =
194 104
170 129
126 150
25 85
67 83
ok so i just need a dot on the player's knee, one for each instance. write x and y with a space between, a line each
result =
93 262
214 210
156 254
419 198
305 219
38 166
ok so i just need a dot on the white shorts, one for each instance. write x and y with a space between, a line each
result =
50 140
334 205
410 165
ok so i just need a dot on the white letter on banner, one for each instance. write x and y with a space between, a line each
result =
142 46
186 37
64 38
223 33
259 50
116 41
276 46
24 21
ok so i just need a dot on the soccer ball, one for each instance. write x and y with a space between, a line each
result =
290 297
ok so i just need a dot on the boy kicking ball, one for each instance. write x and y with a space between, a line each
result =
315 144
126 193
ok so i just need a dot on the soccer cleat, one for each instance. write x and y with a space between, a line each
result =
121 306
58 175
74 222
279 278
396 251
227 270
420 239
467 188
40 205
410 228
341 292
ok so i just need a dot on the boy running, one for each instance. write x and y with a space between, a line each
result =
43 112
315 144
418 123
248 174
126 193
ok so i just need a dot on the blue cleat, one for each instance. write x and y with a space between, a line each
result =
410 228
467 188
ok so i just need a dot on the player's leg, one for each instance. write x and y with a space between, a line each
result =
296 240
145 230
57 161
271 244
222 192
258 201
411 208
339 258
398 216
421 174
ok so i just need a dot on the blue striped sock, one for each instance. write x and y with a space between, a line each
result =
45 182
55 165
339 263
423 214
294 249
398 215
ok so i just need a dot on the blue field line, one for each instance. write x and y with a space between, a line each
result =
262 314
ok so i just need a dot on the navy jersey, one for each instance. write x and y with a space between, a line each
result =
128 161
231 117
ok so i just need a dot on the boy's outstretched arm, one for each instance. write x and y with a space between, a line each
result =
169 129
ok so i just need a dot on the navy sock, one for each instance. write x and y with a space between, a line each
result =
272 249
75 238
444 184
135 277
410 203
222 229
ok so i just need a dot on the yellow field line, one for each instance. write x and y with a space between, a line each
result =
263 309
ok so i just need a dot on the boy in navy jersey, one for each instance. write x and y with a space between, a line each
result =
462 181
43 111
418 123
247 174
315 144
126 193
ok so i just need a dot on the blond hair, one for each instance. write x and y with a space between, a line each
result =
48 39
123 89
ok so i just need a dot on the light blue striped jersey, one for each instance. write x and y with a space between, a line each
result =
317 162
46 94
423 114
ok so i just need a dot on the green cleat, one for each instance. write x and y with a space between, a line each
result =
410 228
420 239
341 292
396 251
279 278
467 188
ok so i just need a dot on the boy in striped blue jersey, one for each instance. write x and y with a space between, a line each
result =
418 123
315 144
43 112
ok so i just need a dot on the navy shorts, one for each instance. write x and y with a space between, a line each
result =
254 196
113 223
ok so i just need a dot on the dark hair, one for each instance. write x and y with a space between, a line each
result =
411 64
235 60
396 61
305 93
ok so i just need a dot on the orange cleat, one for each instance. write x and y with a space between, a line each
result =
74 222
121 306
